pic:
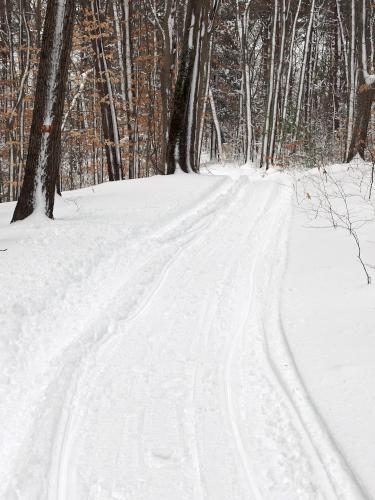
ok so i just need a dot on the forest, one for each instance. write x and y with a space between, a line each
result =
278 83
187 249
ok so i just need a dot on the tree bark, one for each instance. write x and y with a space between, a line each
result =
365 97
44 153
219 144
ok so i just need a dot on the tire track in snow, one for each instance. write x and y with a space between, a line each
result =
303 477
260 311
257 207
204 216
344 483
67 310
311 463
249 471
107 354
95 333
207 319
304 472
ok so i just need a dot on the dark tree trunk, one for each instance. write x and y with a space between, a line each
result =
44 153
365 99
365 95
167 77
183 140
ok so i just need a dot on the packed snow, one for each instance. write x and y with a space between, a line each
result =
188 337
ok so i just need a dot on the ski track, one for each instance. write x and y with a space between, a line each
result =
202 218
186 388
94 273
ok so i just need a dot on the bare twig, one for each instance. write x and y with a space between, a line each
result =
330 200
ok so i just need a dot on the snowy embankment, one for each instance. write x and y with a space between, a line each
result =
144 355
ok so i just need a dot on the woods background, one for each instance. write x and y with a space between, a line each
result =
289 82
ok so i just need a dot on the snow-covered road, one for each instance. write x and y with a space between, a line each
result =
178 382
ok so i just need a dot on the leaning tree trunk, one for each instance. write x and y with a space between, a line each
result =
44 153
219 143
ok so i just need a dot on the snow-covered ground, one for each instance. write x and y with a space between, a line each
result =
329 313
186 337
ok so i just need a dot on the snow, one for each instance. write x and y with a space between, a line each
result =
191 32
328 314
369 79
185 337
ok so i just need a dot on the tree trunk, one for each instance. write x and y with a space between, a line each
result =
219 144
127 53
365 97
242 29
184 136
306 52
44 153
167 72
264 157
288 80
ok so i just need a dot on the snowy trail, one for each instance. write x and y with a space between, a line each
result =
188 228
189 391
79 295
